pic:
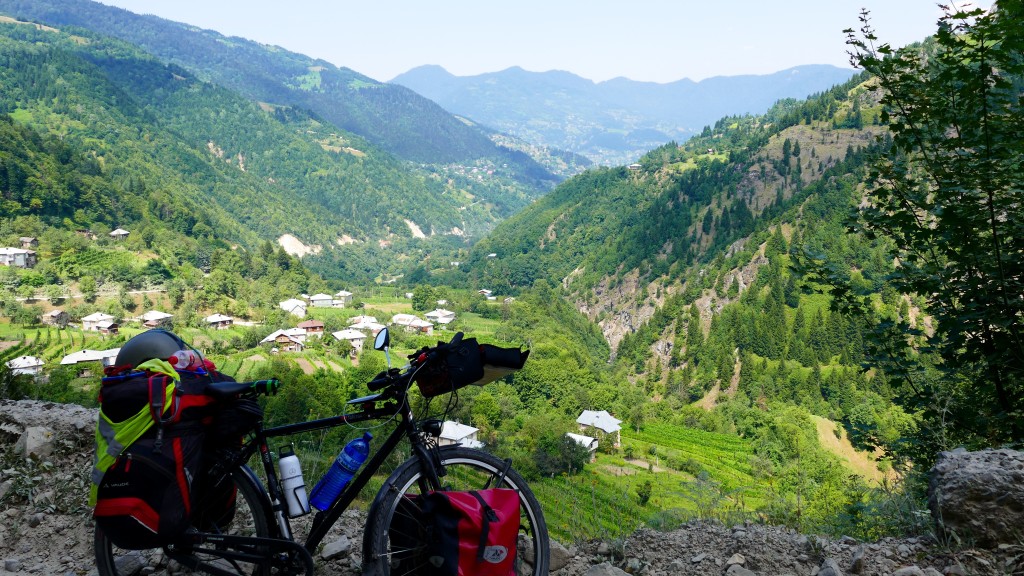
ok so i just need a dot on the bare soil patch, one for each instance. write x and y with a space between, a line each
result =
858 461
305 365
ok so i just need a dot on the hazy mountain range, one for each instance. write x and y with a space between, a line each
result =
612 122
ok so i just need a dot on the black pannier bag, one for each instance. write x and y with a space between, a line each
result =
159 484
469 363
145 498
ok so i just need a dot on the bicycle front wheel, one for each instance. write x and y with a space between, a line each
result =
249 518
467 469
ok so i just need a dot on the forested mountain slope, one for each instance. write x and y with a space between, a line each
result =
685 204
391 117
686 265
256 171
611 122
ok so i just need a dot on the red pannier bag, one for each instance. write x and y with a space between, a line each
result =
465 533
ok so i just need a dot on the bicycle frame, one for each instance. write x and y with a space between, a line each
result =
323 521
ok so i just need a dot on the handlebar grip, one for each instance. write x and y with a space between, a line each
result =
381 381
267 387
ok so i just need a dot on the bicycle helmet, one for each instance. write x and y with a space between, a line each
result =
157 343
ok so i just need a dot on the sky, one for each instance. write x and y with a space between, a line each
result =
644 40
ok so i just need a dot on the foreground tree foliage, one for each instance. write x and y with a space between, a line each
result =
948 194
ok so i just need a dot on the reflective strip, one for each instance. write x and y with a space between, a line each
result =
97 475
106 430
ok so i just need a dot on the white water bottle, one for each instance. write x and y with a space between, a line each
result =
292 484
184 360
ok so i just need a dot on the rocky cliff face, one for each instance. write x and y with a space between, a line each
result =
46 526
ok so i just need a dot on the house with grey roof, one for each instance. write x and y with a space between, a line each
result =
601 421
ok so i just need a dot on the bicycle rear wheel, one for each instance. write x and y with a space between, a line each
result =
467 470
250 519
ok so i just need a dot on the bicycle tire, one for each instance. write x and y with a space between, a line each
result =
468 469
251 518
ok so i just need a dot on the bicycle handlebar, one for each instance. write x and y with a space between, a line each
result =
267 387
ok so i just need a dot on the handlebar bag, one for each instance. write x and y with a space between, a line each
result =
469 363
457 533
456 368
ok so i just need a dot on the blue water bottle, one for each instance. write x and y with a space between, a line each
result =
344 468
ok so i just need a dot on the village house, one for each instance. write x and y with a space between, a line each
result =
453 433
412 323
294 306
484 292
286 343
28 242
353 337
219 321
344 297
92 321
372 326
321 300
25 365
119 234
155 319
586 441
440 316
17 257
312 328
362 319
107 327
602 421
104 357
55 318
293 333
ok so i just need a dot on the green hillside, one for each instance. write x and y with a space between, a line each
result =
195 148
391 117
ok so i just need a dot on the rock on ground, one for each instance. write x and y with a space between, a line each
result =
979 496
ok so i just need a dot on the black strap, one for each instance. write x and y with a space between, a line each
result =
157 395
489 516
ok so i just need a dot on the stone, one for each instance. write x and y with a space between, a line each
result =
909 571
604 569
857 563
35 520
603 549
955 570
698 558
337 549
978 496
634 565
903 550
736 559
737 570
36 441
559 556
5 487
929 571
829 568
12 565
